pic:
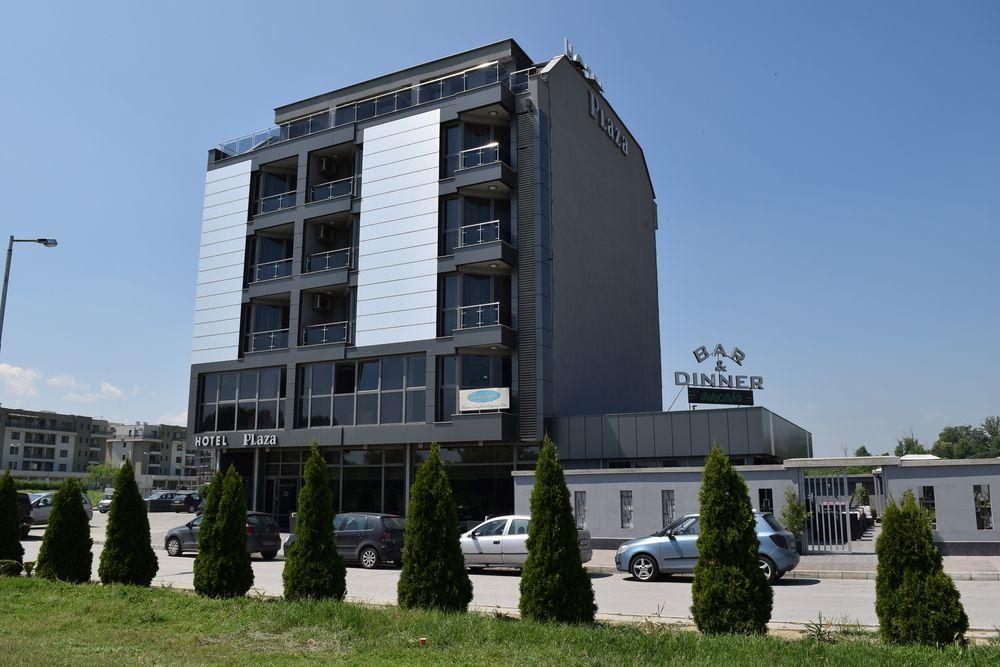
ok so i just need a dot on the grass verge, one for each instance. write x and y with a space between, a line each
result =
52 623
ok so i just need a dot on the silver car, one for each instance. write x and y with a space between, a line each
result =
41 507
502 541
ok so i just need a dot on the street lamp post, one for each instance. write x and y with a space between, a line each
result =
48 243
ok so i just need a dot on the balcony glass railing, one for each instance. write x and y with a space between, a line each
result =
262 341
275 203
331 259
405 98
343 187
331 332
483 232
272 270
483 155
482 315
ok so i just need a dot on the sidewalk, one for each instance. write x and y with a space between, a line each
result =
847 566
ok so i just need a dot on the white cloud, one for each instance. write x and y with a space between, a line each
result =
107 391
19 381
64 381
177 419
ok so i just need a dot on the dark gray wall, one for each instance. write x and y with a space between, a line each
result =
605 319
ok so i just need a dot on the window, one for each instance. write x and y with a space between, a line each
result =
619 464
246 400
519 527
626 508
983 505
667 506
491 528
64 439
460 293
13 450
463 218
62 467
447 403
15 435
63 453
927 502
688 526
464 136
580 508
389 390
468 371
765 500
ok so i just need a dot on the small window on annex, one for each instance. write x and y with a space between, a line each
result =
927 502
245 400
983 506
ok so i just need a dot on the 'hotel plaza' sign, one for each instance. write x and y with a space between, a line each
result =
720 378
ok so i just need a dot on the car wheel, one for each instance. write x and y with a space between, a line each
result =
190 509
268 555
644 568
174 547
369 558
768 568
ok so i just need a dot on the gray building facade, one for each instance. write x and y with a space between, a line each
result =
49 442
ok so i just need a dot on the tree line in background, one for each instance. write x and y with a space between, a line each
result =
954 442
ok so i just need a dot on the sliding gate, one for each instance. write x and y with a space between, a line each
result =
828 501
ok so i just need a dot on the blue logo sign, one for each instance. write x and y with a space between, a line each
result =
484 396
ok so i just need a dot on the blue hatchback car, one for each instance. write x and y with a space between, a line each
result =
674 550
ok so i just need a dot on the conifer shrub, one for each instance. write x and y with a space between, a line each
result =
65 552
554 584
433 575
916 602
128 556
10 568
10 521
730 594
313 568
222 566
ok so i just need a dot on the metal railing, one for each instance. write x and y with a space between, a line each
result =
331 259
275 202
482 232
343 187
479 156
331 332
487 74
482 315
282 268
262 341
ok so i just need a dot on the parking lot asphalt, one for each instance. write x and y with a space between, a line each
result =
619 597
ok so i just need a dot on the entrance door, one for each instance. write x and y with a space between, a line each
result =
286 496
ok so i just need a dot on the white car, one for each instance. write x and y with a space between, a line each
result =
41 507
502 541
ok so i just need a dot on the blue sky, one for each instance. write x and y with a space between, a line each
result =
828 176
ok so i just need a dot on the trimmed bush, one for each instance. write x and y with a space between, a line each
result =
10 521
916 602
128 556
794 515
433 575
222 566
554 584
65 553
313 568
10 568
730 592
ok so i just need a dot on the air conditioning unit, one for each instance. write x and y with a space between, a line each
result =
324 233
327 167
322 302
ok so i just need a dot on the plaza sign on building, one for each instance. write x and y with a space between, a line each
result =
733 389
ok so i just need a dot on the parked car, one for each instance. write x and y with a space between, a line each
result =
104 504
503 541
24 504
41 507
674 549
186 501
263 536
365 537
159 501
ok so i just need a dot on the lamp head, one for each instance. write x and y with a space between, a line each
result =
48 243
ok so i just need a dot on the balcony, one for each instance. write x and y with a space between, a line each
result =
272 270
482 232
321 334
343 187
329 260
491 153
273 203
480 76
483 315
265 341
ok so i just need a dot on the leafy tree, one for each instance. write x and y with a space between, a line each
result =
730 594
65 553
961 442
860 495
862 451
433 575
128 556
991 426
10 521
916 602
313 568
554 584
909 444
794 515
101 475
222 566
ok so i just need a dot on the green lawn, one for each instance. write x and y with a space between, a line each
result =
55 624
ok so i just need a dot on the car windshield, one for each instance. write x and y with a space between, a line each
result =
36 496
392 523
107 496
154 495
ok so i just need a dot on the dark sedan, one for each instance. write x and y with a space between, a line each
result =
160 501
186 501
263 536
366 538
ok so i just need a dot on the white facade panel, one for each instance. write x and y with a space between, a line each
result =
219 292
397 250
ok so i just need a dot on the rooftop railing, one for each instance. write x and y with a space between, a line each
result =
480 76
